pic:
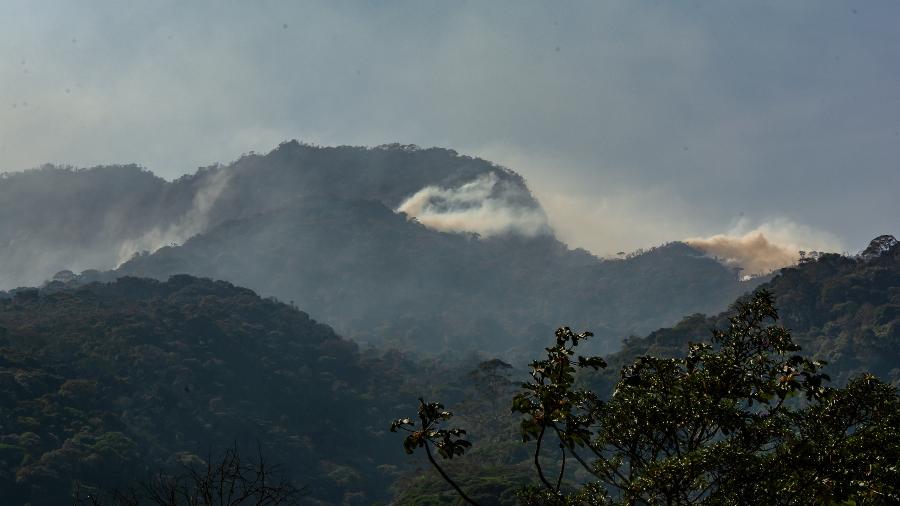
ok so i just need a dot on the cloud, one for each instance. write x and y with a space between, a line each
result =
485 205
767 247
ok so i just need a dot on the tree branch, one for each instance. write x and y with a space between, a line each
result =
447 478
537 462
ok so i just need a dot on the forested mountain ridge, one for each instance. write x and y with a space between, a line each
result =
841 309
59 218
380 278
106 383
320 226
844 310
103 383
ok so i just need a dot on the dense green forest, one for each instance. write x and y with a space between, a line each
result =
839 310
742 418
844 310
111 376
107 383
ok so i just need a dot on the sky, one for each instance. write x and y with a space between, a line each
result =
634 122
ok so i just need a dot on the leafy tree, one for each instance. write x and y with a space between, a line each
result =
485 402
428 433
741 418
841 309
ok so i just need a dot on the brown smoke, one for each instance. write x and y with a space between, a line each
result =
752 251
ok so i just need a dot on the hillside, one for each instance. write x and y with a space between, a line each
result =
380 278
843 310
107 383
319 226
59 218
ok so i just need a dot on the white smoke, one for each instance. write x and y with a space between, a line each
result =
195 221
484 205
767 247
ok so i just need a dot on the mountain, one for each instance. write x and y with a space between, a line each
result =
380 278
844 310
59 218
320 227
106 383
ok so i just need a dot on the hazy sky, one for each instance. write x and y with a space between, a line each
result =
634 122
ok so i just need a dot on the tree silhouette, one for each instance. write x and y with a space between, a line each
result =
741 418
427 433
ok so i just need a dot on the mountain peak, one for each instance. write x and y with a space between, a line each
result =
881 245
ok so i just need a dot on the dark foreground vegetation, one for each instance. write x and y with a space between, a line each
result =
844 310
109 388
109 384
741 418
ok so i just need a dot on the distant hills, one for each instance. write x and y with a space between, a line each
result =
841 309
103 383
381 279
844 310
129 358
107 376
318 227
59 218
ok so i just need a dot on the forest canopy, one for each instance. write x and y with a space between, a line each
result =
741 418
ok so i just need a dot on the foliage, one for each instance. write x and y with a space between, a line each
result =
550 402
448 442
844 310
741 418
484 484
101 385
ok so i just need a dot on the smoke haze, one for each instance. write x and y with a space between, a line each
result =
768 247
484 206
611 97
195 221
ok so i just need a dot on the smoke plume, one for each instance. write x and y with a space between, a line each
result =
768 247
195 221
485 205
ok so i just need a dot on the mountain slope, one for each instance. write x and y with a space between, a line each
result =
59 218
844 310
106 383
318 226
380 278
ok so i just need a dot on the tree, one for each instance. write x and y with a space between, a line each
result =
428 433
490 384
741 418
